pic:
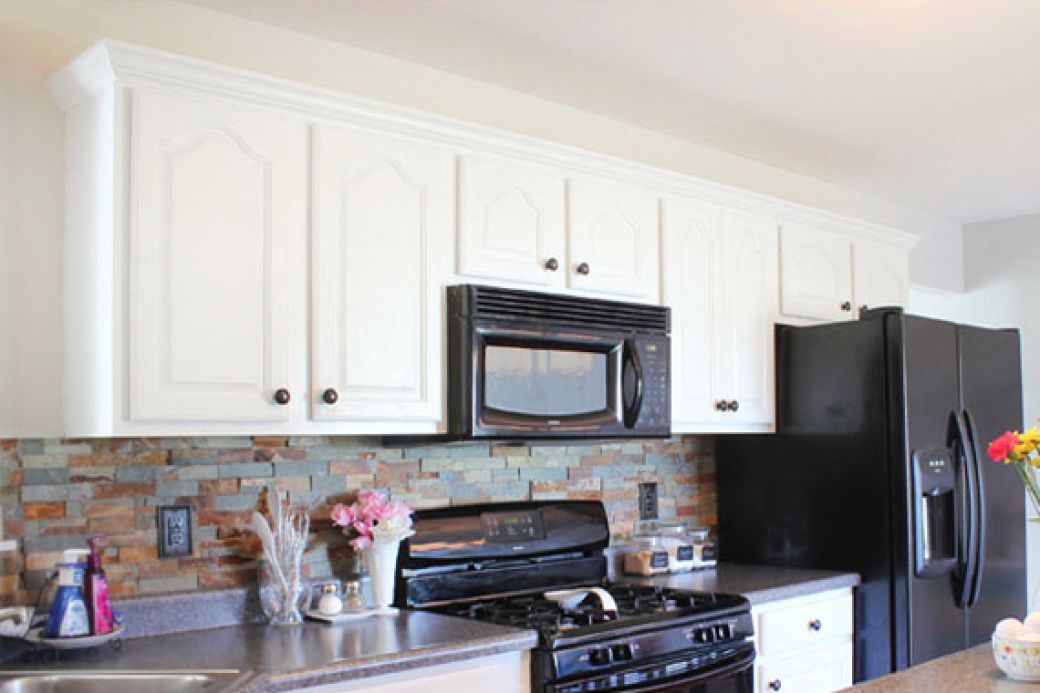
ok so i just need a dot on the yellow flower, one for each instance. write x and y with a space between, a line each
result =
1029 442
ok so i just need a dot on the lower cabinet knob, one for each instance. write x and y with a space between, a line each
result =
584 268
552 264
282 396
775 685
330 396
815 625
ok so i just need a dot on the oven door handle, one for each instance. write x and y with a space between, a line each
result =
738 666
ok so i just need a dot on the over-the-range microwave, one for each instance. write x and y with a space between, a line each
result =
525 364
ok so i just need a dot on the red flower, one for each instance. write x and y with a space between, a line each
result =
1002 447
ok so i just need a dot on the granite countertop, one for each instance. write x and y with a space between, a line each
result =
970 671
285 658
760 584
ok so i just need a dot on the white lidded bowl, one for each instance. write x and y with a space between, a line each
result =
1019 659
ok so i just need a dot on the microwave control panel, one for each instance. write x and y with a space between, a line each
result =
655 360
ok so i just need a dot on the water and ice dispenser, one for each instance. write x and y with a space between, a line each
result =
935 512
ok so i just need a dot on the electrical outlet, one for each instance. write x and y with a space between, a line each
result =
648 500
174 531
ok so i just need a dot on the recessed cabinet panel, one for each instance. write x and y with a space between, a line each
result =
512 222
749 272
816 273
382 218
613 239
881 275
215 256
691 286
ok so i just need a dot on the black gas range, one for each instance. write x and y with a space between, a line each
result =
540 566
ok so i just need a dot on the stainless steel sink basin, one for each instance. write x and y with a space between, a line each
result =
115 682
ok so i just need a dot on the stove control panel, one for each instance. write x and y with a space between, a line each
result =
612 653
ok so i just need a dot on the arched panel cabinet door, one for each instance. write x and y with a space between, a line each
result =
750 307
216 227
512 222
383 214
815 273
881 275
614 239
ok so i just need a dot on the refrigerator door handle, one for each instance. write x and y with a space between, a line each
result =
980 505
967 527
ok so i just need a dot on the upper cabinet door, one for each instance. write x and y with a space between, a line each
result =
613 239
691 286
217 221
512 222
749 272
881 275
383 216
815 274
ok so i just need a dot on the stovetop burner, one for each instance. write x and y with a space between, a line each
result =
634 602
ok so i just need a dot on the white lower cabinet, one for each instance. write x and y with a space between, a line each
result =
503 673
804 644
720 278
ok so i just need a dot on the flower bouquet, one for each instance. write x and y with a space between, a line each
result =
1023 451
376 526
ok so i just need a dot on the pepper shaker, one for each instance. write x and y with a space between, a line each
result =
352 600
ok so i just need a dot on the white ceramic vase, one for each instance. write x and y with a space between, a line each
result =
381 558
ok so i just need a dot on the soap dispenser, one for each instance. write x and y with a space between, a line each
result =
96 582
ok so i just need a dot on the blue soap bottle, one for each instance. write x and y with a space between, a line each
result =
69 617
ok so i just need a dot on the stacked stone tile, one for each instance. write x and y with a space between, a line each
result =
56 493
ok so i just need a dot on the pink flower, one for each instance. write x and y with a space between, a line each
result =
361 543
343 516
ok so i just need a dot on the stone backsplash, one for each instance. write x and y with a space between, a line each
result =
56 493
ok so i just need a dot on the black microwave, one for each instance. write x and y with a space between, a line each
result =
525 364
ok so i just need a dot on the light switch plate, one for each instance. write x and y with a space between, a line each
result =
174 531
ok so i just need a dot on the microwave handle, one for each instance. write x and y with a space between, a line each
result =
630 360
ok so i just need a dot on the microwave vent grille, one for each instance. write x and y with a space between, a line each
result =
511 304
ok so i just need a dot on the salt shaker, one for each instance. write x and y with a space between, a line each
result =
352 599
330 604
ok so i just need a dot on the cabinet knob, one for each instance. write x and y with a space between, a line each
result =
282 396
734 405
584 268
815 625
847 306
722 405
775 685
330 396
552 264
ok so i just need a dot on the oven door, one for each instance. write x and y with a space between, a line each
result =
732 674
554 384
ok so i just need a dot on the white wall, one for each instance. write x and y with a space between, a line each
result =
31 162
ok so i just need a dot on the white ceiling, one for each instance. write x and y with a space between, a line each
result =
934 104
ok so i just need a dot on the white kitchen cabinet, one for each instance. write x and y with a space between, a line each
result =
613 239
804 643
815 273
881 275
382 219
720 279
512 222
215 234
509 672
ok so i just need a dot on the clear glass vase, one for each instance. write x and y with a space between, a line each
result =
282 601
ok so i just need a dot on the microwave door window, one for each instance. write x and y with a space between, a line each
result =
545 382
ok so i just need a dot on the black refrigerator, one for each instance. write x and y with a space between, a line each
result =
879 466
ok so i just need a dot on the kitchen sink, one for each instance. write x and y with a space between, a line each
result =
114 682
